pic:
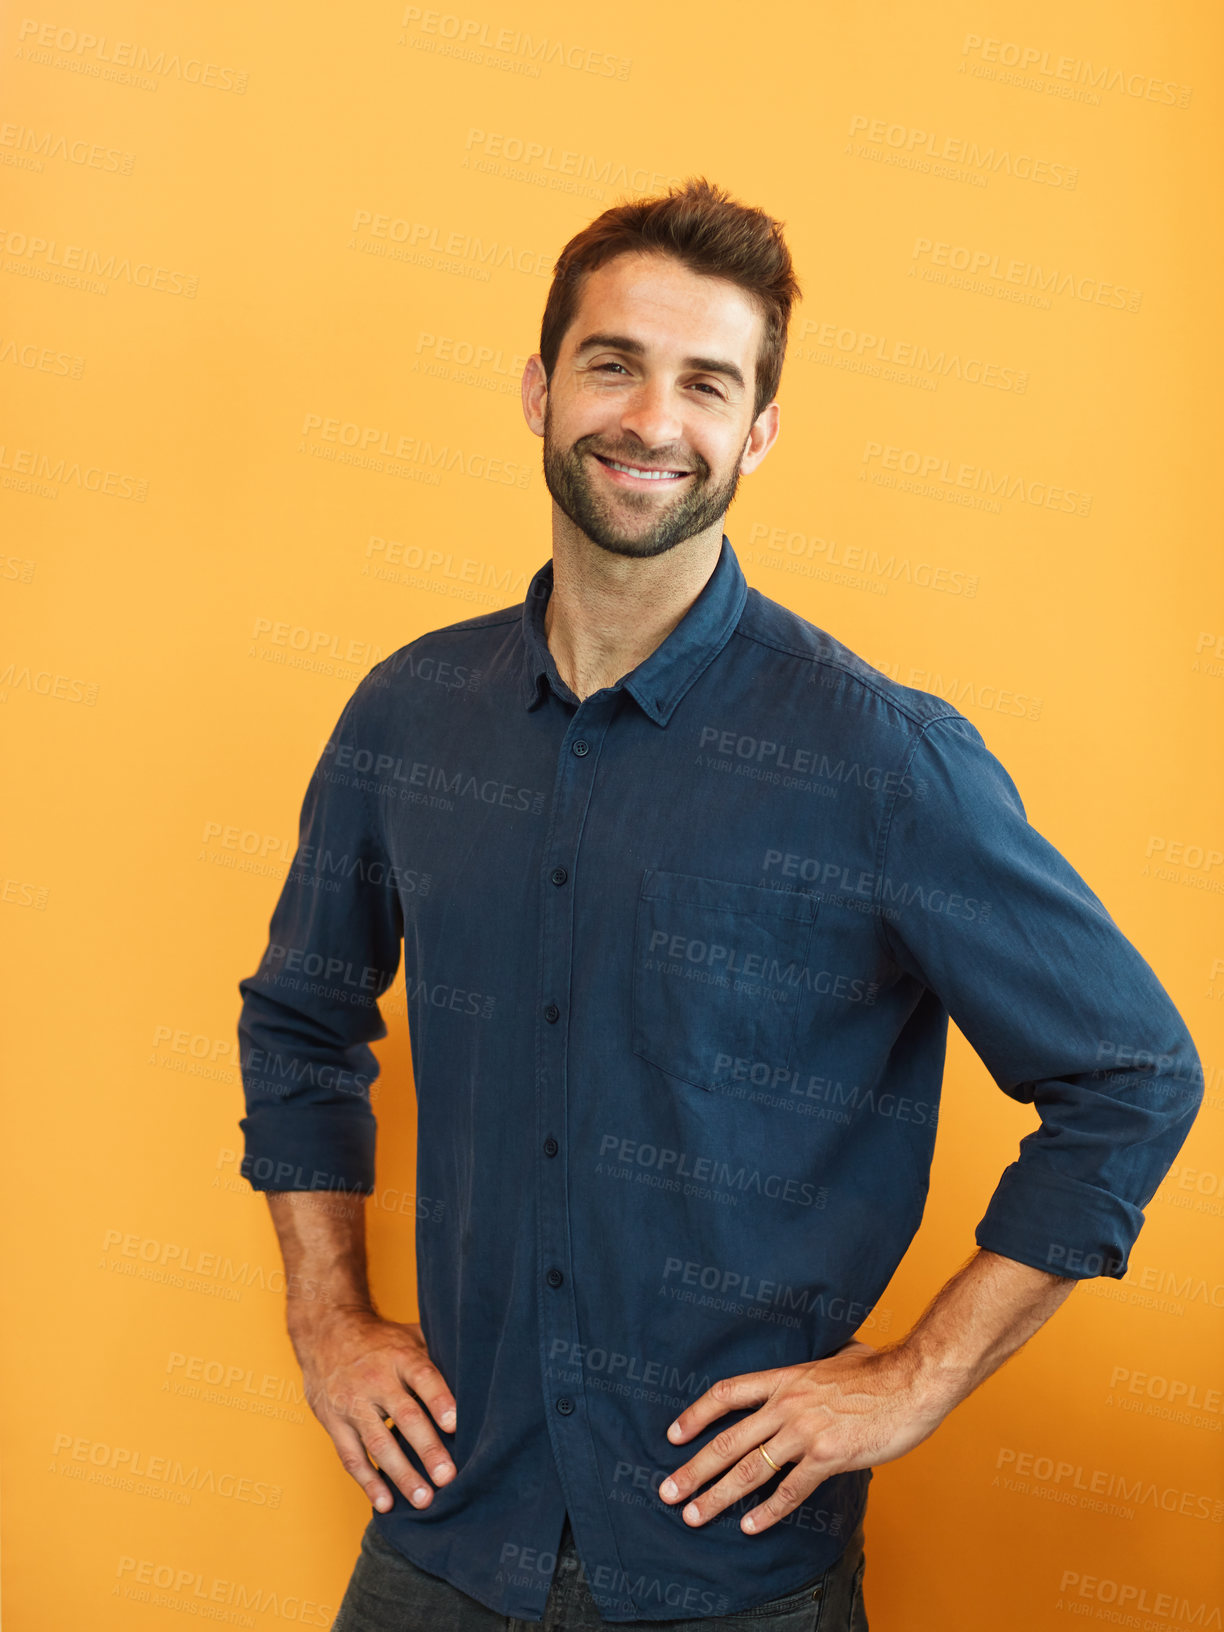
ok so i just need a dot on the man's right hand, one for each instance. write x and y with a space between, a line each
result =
360 1369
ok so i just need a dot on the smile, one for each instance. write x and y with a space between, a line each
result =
639 473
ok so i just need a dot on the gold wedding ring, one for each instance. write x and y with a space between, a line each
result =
769 1459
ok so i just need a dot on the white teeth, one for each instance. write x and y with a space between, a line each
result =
650 475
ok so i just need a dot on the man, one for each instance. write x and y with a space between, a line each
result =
686 892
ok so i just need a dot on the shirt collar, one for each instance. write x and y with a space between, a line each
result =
660 680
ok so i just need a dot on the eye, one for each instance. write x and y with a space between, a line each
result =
703 385
600 367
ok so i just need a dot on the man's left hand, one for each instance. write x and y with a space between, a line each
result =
858 1408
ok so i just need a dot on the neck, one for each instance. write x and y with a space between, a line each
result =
607 613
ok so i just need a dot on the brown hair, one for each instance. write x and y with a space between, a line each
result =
709 232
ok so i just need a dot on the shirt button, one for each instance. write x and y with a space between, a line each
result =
551 1147
558 875
551 1013
554 1277
565 1406
582 747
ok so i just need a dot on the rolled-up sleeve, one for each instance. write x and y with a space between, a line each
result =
310 1011
1062 1009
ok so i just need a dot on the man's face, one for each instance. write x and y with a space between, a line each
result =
647 419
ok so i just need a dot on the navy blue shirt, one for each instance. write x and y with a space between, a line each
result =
679 963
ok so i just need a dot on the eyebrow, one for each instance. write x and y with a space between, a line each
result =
624 342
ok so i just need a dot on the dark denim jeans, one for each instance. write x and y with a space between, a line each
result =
388 1593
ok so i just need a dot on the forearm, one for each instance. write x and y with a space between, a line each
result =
322 1241
981 1317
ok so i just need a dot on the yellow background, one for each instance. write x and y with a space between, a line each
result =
194 583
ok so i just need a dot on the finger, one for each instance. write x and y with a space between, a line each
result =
354 1461
747 1473
730 1447
796 1485
727 1394
382 1447
424 1378
418 1428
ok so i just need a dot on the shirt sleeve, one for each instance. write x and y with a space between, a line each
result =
310 1011
1063 1011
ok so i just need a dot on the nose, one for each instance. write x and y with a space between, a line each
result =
651 415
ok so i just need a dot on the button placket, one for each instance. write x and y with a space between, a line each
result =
563 1388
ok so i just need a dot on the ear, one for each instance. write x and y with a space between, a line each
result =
535 392
761 437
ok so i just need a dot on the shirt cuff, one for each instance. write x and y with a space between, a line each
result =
318 1147
1059 1225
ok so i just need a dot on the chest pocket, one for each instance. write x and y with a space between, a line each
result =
719 970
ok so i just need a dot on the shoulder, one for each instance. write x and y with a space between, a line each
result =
452 655
842 675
